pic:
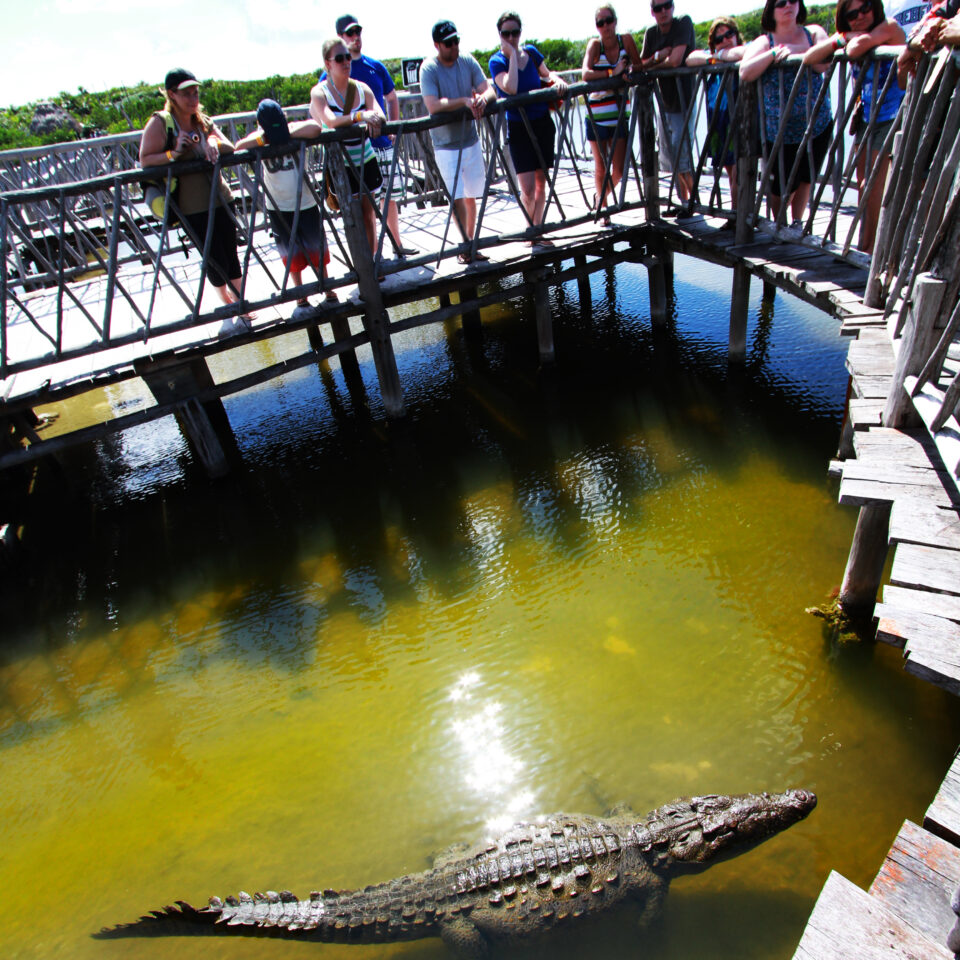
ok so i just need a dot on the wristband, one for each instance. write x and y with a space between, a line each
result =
357 116
260 141
840 41
170 155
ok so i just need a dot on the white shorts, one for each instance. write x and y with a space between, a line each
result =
385 159
471 176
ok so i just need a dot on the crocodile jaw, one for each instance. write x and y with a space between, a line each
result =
705 830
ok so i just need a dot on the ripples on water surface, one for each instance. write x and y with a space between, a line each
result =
538 593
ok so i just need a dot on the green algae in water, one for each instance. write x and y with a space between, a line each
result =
539 593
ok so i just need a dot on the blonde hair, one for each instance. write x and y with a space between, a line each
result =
199 117
605 6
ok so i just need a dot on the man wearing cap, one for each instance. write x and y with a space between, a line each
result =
376 76
668 44
452 81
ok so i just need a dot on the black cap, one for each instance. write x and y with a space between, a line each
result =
344 23
273 123
180 79
444 30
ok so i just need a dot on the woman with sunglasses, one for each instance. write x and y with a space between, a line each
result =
339 101
786 35
194 136
725 46
608 55
861 26
517 70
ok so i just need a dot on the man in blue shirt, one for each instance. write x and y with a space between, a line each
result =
376 76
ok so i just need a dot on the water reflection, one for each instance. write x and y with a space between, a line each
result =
543 590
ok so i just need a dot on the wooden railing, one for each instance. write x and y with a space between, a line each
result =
52 236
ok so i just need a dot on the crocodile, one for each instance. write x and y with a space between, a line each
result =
534 877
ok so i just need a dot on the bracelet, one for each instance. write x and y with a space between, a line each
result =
357 116
170 155
841 41
260 141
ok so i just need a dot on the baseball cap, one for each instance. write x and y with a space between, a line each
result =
345 22
272 121
180 79
444 30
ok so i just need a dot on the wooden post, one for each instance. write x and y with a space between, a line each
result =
542 313
769 291
205 425
873 295
748 137
868 553
471 319
649 158
918 340
375 319
657 282
739 313
583 284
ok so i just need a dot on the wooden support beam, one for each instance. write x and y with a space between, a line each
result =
583 283
918 340
739 313
542 313
470 319
375 319
868 553
204 423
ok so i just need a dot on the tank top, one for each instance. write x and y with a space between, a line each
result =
810 84
605 104
359 149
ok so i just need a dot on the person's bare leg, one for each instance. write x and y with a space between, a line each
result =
799 200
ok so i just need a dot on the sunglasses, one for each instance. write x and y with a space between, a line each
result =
780 4
660 7
452 42
854 12
353 32
606 21
721 37
341 58
506 34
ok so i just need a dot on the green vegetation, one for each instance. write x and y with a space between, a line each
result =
121 109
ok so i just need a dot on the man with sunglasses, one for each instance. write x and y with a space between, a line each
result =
376 76
667 44
452 81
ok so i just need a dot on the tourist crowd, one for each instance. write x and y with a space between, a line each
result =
356 91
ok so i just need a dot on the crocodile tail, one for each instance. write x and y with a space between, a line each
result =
183 918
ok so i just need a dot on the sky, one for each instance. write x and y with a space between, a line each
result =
61 45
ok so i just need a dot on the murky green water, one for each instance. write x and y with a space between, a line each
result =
541 592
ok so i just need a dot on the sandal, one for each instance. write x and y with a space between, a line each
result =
480 257
331 296
303 302
463 258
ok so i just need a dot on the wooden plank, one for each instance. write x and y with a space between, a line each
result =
945 605
872 387
943 815
917 880
922 478
848 923
860 492
933 568
919 521
865 412
899 626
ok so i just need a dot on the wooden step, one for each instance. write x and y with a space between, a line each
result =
848 924
917 880
931 645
